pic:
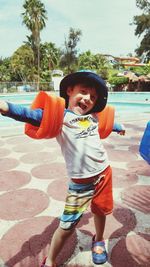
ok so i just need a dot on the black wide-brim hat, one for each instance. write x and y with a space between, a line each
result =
90 79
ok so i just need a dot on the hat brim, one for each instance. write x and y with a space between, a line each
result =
88 77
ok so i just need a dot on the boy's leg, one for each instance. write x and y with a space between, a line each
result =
99 221
58 240
99 253
76 203
102 204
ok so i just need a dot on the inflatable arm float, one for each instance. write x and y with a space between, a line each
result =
53 114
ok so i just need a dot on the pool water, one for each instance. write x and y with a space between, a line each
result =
19 98
125 107
129 96
112 96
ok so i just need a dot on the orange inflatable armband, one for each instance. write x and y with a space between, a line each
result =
106 121
53 114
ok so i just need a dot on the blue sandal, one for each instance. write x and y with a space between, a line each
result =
99 253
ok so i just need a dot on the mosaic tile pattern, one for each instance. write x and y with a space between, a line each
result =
33 183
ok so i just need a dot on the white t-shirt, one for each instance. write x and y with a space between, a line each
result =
81 146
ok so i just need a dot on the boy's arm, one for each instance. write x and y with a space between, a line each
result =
21 113
119 128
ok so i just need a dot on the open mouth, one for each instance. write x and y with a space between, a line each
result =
82 106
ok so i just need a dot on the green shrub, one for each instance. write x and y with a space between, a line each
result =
115 81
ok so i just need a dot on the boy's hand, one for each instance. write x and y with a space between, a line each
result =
119 128
3 107
122 132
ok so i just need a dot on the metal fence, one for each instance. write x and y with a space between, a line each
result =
18 87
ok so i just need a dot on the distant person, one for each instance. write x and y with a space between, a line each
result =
89 171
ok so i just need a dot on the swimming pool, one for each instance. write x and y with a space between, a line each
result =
129 96
112 96
19 98
131 104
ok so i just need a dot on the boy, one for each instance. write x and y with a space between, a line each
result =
89 172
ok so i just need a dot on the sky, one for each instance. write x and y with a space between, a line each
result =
105 25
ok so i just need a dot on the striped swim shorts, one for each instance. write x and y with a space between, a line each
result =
96 191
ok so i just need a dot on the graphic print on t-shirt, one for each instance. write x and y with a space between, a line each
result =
86 127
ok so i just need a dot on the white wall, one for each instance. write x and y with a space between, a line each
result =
56 81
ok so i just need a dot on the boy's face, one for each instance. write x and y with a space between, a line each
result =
81 99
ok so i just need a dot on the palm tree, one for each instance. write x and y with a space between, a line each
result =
142 23
50 56
69 55
34 18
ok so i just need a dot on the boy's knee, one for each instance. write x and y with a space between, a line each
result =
68 225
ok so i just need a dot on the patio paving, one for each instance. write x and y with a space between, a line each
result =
33 183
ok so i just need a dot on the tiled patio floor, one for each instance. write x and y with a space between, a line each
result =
33 182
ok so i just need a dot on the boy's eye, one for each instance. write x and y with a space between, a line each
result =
83 91
93 97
